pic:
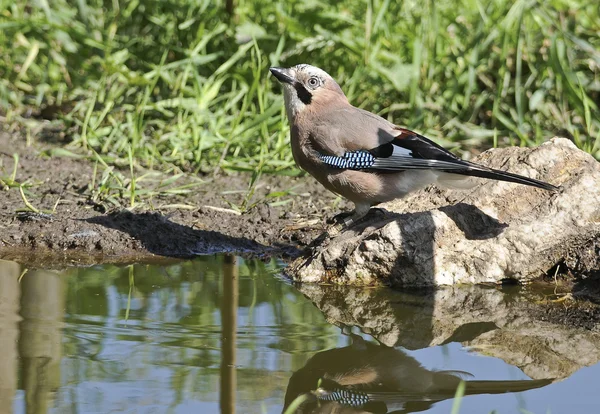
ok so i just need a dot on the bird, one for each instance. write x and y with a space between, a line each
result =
369 377
362 156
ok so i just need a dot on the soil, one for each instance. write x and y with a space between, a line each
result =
581 314
81 231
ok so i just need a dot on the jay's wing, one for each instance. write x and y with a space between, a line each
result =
411 151
407 151
336 131
350 137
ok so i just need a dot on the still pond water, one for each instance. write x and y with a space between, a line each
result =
173 338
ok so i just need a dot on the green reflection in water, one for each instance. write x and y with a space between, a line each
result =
80 353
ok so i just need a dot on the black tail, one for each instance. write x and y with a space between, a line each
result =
479 171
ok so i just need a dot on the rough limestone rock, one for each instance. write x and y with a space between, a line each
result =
482 318
490 233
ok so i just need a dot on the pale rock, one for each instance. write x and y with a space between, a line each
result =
493 232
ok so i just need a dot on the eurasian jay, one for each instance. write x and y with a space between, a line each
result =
379 379
360 155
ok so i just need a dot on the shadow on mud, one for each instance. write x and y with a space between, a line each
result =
163 237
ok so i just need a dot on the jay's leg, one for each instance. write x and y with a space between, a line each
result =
360 211
346 220
341 221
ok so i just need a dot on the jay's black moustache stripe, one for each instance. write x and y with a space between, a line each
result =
304 95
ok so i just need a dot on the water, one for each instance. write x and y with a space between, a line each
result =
169 339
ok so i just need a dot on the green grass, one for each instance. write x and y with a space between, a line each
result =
182 84
9 180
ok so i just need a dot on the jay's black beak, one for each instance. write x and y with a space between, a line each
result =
282 75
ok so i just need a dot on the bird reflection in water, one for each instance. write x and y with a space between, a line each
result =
371 378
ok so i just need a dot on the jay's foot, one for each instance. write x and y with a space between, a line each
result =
339 218
348 219
377 211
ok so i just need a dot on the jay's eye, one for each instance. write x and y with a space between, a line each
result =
313 82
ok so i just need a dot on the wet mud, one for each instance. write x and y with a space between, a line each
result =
72 227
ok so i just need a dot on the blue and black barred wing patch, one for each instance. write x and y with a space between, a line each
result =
355 160
351 398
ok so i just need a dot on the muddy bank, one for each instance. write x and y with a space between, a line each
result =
81 230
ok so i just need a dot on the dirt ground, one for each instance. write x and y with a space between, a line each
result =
81 231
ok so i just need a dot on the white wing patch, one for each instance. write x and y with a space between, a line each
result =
401 152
